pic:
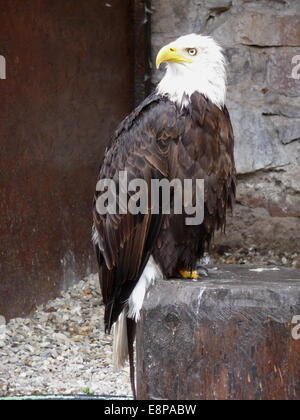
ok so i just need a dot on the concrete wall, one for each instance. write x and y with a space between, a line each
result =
261 39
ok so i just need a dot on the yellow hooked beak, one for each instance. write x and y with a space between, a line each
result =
170 54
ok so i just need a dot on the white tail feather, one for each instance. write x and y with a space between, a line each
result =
120 346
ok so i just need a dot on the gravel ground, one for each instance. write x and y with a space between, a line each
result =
253 255
62 348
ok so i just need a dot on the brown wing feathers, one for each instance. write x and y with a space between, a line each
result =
127 240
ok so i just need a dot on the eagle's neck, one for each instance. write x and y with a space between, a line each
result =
180 82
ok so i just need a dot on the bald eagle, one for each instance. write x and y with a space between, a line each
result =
181 131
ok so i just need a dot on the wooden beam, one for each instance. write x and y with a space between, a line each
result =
233 336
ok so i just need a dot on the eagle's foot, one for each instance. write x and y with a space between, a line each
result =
201 271
188 274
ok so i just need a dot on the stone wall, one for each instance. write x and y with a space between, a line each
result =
261 41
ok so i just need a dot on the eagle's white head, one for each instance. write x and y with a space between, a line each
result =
195 63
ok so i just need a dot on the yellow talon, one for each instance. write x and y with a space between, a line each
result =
189 274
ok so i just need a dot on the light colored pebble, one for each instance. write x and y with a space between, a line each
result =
61 349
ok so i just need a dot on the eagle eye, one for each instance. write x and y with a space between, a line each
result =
192 51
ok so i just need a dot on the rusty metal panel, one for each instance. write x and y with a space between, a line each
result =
69 82
233 336
142 49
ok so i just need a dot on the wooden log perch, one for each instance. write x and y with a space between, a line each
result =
228 337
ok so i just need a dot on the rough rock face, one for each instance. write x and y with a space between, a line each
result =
262 45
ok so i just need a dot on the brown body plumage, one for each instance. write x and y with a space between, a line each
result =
160 140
